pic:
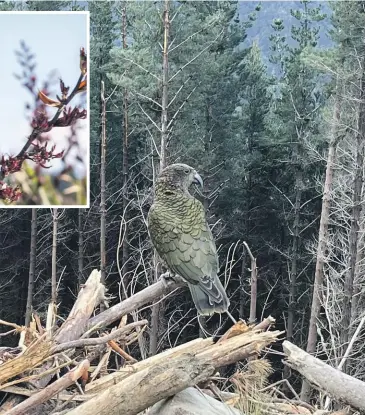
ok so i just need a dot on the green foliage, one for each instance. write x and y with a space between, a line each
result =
47 5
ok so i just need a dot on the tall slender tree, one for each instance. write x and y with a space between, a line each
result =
32 266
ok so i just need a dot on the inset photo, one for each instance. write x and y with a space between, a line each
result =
44 117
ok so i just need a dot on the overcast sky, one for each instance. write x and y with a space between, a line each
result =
55 39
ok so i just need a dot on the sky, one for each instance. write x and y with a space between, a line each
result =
55 39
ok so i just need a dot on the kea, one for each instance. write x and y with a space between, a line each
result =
181 236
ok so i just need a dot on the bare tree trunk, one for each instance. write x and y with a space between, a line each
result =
202 320
81 246
322 243
154 314
242 284
295 255
125 250
355 218
102 187
253 302
355 311
164 133
294 251
165 81
32 266
54 255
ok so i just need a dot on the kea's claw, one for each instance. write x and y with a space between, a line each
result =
165 277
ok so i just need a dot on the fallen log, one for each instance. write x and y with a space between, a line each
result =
111 379
45 394
338 385
148 386
195 347
148 295
166 377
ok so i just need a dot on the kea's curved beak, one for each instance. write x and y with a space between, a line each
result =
198 180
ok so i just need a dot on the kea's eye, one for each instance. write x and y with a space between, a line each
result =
187 171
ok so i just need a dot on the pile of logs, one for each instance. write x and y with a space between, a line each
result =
64 367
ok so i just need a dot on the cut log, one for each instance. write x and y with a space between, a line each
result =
143 389
223 353
166 377
111 379
338 385
51 390
239 347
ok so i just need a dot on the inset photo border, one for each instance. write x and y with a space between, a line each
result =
44 109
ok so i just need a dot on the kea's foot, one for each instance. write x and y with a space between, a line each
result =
166 277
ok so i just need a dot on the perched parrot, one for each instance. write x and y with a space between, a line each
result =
182 238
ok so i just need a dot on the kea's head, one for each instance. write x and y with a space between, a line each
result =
179 176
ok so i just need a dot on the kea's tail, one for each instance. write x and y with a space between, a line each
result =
209 296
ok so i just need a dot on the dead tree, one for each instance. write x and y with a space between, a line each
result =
80 259
32 266
164 133
355 215
322 240
54 256
125 248
103 186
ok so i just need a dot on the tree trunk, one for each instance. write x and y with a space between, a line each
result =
125 250
295 255
253 296
81 246
102 187
355 218
322 243
155 312
32 266
165 81
355 310
164 133
54 256
295 250
242 284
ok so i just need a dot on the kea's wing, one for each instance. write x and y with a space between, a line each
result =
184 242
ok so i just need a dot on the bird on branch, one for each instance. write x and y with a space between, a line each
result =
182 238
